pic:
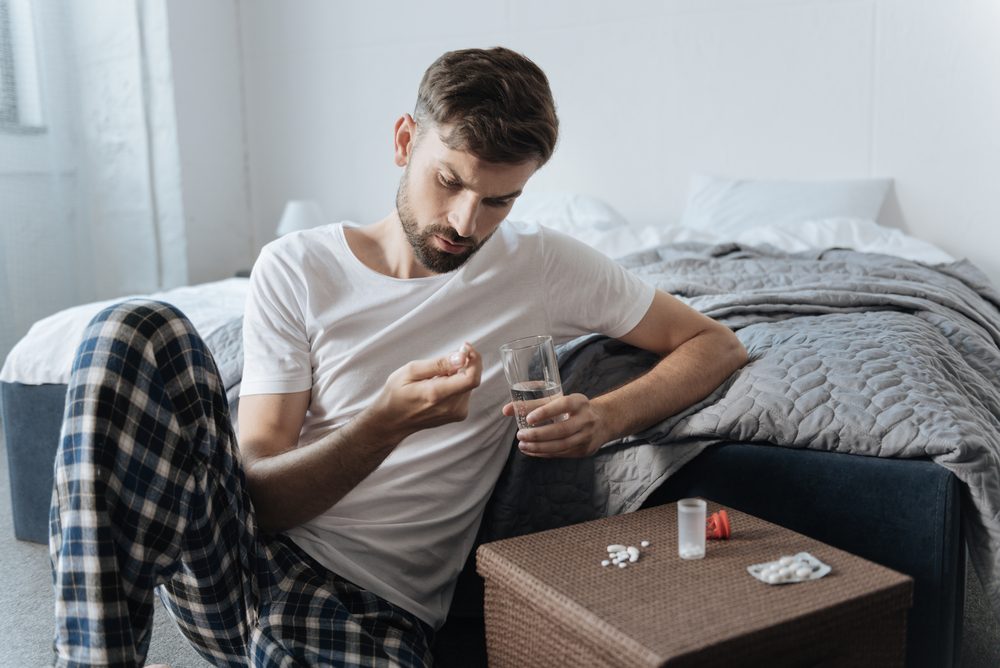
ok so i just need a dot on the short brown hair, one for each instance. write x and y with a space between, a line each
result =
497 102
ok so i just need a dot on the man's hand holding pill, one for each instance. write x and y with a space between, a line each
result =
429 393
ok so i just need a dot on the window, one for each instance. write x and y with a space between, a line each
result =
20 101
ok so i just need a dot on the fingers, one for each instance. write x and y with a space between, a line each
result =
458 381
571 447
552 431
575 444
567 429
445 365
464 358
540 411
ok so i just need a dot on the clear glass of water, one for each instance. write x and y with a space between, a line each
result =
532 372
691 528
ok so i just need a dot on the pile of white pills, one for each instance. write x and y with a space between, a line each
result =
798 568
623 555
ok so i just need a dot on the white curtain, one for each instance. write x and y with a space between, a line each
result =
90 204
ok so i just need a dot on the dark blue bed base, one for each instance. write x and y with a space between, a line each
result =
904 514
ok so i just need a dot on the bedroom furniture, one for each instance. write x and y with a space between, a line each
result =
915 506
32 436
904 514
549 601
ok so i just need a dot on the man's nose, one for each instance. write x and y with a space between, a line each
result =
463 214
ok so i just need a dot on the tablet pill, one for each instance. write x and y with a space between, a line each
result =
803 573
633 554
615 548
623 564
605 562
784 561
644 543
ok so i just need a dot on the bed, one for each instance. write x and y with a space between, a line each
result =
869 416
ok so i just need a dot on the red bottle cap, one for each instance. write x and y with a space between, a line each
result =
717 526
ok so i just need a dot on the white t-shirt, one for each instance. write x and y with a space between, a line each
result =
318 319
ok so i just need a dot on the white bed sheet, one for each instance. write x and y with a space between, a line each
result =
45 354
865 236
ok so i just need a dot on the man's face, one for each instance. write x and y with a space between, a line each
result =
450 202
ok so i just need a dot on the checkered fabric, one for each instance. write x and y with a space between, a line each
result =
149 494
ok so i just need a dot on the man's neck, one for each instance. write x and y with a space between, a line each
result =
383 247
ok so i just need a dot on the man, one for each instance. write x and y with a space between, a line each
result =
374 416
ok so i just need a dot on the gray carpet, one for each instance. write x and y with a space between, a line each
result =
26 602
26 606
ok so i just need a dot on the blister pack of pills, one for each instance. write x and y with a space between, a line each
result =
798 568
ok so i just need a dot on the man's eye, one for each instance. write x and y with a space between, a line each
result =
448 184
497 203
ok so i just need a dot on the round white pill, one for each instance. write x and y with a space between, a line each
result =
623 564
803 573
785 571
644 543
605 562
784 561
772 578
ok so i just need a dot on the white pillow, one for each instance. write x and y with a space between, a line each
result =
866 236
588 219
567 212
731 205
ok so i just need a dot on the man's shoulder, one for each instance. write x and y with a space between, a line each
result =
553 244
304 247
298 255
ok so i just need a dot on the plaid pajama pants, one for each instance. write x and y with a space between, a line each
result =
149 495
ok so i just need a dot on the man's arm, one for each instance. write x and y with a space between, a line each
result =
699 354
290 484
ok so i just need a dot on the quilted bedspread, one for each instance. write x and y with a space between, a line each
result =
849 352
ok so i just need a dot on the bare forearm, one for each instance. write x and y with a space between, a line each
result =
297 485
290 483
685 376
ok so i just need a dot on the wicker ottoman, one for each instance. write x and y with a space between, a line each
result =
549 602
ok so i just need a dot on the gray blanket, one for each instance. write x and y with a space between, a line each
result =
849 352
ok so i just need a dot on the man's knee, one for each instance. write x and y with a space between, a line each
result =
145 317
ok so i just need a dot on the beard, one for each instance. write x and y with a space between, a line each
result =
422 241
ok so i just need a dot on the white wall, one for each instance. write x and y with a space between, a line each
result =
649 92
205 57
76 221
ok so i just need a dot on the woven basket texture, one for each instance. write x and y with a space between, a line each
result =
549 602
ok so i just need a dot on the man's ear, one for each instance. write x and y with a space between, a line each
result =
404 137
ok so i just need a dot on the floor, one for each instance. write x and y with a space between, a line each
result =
26 605
26 602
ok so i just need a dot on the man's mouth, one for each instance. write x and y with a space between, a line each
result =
450 247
